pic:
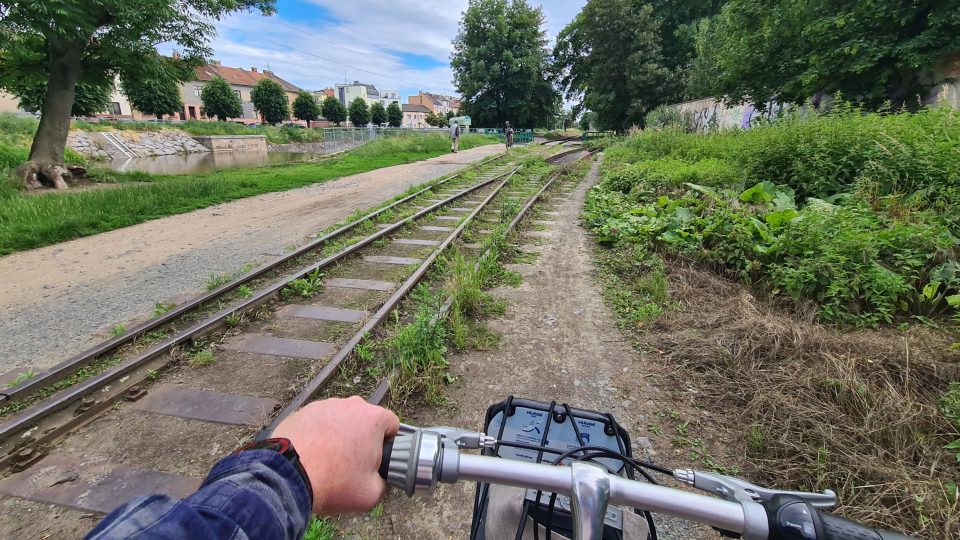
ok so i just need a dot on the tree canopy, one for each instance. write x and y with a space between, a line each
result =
270 100
359 113
89 98
870 51
155 91
394 115
305 107
219 100
501 64
610 57
333 110
378 114
66 42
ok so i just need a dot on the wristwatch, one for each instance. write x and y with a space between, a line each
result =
285 448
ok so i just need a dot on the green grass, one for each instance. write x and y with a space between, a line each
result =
29 221
320 529
857 213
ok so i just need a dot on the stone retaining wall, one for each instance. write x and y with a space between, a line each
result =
166 142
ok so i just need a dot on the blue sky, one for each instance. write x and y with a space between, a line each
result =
401 45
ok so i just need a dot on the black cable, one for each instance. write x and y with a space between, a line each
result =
638 464
549 525
523 520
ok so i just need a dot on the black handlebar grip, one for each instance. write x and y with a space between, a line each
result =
385 459
793 518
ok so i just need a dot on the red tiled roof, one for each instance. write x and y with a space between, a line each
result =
241 77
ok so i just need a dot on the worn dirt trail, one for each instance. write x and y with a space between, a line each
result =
559 342
56 301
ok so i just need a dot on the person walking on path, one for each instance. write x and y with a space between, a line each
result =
455 136
508 131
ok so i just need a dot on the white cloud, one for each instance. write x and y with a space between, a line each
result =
364 41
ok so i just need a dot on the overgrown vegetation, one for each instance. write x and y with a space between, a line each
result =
848 219
28 222
857 213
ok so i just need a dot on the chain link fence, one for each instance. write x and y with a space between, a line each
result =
338 139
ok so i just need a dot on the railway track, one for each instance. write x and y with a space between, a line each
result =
563 141
242 366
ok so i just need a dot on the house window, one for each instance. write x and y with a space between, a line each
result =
197 90
115 108
237 92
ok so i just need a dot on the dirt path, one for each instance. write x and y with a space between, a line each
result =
559 342
56 300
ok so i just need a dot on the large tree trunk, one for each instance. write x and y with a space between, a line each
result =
51 138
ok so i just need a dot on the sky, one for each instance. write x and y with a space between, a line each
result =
399 45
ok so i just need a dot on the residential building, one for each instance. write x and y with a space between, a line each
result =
389 96
241 81
415 116
437 103
321 95
347 93
9 104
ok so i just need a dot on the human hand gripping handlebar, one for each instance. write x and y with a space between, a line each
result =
418 459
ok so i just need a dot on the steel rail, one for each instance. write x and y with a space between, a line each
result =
326 374
67 367
75 393
380 394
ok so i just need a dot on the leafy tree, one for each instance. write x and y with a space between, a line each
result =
610 57
66 42
220 100
305 107
333 110
89 98
378 114
156 91
871 51
450 115
359 113
677 26
394 115
270 100
436 120
500 63
586 120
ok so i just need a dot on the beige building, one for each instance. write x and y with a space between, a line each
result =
415 116
9 104
241 81
437 103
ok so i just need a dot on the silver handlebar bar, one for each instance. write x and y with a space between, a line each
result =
418 459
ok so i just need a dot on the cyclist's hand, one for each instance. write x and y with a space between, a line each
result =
340 442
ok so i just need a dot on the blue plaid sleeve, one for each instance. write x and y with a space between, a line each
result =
256 494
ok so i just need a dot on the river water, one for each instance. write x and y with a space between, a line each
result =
206 162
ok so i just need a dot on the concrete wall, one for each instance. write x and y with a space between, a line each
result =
234 143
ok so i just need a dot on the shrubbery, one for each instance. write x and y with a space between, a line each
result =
857 213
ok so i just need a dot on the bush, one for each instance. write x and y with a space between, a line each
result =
669 117
856 213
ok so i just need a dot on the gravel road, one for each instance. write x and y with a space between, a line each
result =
59 300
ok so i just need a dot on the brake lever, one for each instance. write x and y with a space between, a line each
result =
463 439
739 490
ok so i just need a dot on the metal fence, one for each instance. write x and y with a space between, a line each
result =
337 139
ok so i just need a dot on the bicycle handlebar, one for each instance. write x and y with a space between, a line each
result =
418 459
